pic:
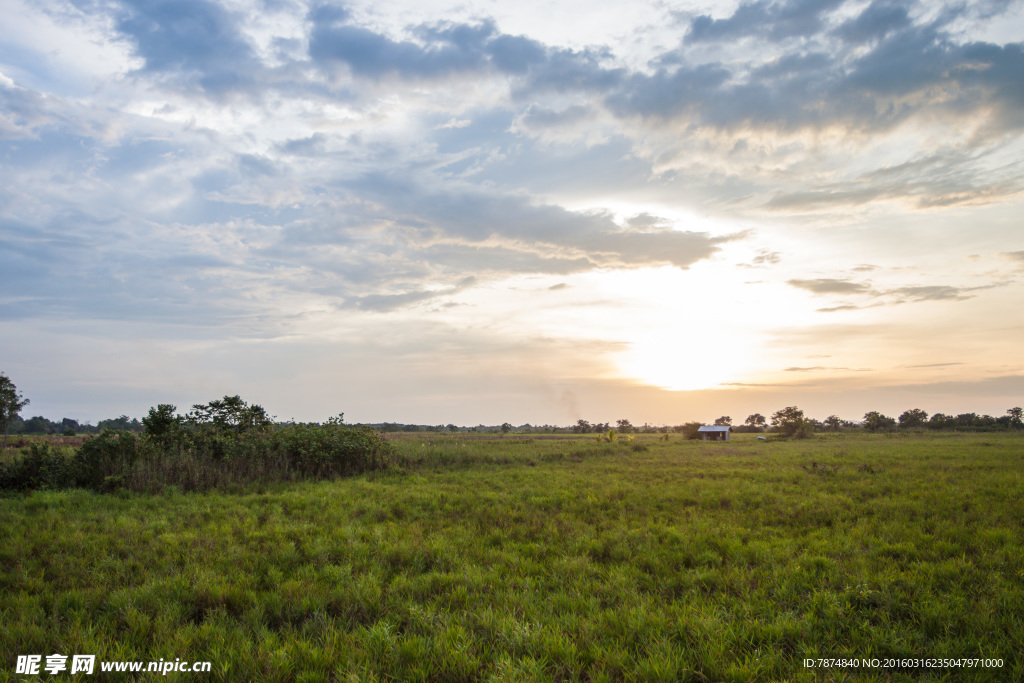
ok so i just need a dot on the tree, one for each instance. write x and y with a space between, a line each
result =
581 427
723 421
123 423
230 413
452 428
162 420
624 426
876 422
1016 417
11 403
756 420
790 421
690 430
833 422
506 428
913 418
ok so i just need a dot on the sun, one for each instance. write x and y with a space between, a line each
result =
686 357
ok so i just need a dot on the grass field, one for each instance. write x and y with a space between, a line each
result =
521 559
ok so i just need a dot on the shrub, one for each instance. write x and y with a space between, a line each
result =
690 430
103 462
194 455
41 468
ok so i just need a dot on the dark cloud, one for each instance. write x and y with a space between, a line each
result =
473 217
668 94
766 18
189 38
878 20
448 48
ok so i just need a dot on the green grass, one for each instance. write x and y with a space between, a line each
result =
545 559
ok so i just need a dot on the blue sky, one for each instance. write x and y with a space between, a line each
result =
534 212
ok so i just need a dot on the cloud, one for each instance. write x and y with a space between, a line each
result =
389 302
932 365
931 293
454 123
769 18
877 21
831 286
884 297
21 111
189 39
765 257
448 49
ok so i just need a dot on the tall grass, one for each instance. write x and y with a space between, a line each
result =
199 459
512 560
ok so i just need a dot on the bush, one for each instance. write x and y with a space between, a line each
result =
204 456
690 430
41 468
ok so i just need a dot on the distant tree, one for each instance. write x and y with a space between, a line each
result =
833 423
232 413
966 419
723 421
506 428
690 430
162 420
755 420
123 423
1016 417
581 427
11 403
941 421
876 422
790 421
452 428
39 425
911 419
625 427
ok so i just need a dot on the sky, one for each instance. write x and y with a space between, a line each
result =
534 212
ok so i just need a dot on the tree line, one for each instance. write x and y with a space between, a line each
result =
789 421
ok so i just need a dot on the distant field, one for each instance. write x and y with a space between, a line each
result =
522 558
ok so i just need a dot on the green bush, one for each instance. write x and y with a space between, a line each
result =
201 457
103 462
41 468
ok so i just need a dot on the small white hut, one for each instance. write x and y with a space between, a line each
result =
715 432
